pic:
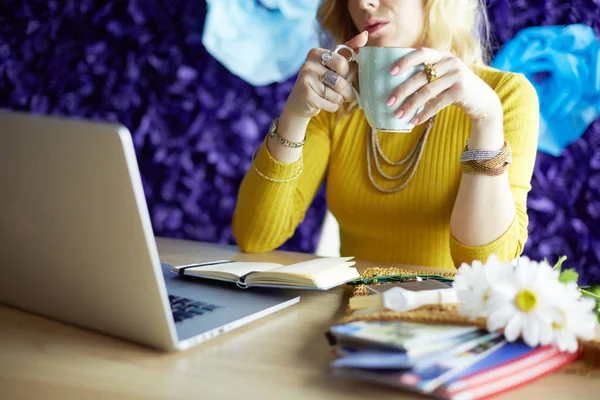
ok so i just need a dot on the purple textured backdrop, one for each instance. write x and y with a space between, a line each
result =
564 203
142 63
195 125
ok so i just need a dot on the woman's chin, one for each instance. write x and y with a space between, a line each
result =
382 41
387 36
378 42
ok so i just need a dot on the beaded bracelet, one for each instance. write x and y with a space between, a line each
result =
486 162
273 134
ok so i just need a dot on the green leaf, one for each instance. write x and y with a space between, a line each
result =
558 265
568 275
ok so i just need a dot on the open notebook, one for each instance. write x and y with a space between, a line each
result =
317 274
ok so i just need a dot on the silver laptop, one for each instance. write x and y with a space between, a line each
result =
77 244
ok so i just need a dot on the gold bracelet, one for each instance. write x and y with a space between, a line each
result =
491 167
276 180
273 133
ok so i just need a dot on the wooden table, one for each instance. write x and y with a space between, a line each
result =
283 356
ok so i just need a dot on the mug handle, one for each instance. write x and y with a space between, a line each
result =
353 57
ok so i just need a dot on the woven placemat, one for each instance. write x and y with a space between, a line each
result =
589 364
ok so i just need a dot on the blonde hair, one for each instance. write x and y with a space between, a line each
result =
458 26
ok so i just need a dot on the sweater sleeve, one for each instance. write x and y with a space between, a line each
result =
521 126
267 213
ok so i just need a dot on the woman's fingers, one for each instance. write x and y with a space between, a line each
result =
333 61
355 44
330 94
407 88
358 41
316 93
417 81
336 63
426 93
417 57
325 91
436 105
341 86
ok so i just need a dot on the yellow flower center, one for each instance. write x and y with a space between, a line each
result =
486 296
560 325
526 300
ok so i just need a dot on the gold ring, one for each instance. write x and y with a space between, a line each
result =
432 74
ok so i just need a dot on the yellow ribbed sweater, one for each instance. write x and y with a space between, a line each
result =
408 227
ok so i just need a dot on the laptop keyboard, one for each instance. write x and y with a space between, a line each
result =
184 308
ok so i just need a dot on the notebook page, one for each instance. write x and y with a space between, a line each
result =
235 268
312 267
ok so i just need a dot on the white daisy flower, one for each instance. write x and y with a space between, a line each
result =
574 318
474 283
523 303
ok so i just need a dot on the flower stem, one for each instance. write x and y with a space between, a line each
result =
589 294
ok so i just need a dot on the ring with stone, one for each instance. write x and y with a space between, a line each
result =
431 72
330 78
326 57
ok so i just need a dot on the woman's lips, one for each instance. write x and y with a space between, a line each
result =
374 27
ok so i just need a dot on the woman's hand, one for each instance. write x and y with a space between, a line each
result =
310 95
456 84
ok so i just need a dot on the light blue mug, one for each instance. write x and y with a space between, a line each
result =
377 85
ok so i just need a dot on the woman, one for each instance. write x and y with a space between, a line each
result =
451 210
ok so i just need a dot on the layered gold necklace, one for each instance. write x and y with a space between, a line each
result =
409 163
